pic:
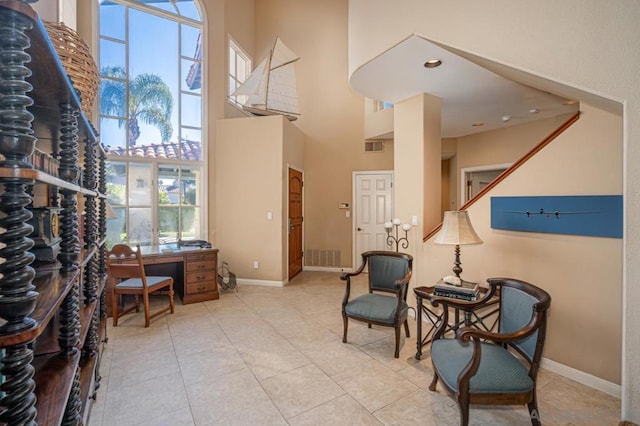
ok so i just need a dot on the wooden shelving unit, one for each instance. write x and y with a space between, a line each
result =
52 315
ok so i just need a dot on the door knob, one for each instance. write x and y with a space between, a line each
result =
359 229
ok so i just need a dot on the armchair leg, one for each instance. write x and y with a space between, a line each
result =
406 328
434 382
534 414
397 328
463 407
345 322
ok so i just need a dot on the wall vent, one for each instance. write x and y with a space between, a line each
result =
373 146
322 257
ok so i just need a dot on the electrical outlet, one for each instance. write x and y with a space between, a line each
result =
256 264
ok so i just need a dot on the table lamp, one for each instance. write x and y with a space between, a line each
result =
457 230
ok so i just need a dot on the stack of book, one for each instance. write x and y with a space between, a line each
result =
465 291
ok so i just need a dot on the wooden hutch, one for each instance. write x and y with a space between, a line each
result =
52 311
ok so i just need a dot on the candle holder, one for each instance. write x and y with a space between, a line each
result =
396 239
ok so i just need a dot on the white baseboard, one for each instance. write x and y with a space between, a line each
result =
325 269
266 283
579 376
582 377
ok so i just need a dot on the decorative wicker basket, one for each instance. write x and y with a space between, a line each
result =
77 61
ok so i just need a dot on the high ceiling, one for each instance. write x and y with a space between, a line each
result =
470 93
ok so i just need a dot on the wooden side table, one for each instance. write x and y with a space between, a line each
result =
471 317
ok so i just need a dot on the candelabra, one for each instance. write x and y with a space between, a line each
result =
396 239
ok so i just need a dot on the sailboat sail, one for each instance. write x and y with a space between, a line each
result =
271 87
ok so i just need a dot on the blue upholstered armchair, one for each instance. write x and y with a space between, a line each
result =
480 367
389 272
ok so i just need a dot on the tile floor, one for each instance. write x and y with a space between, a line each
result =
274 356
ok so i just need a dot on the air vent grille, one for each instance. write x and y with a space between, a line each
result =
373 146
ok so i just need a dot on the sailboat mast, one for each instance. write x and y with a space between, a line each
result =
268 69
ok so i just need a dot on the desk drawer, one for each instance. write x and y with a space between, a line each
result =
201 257
201 265
196 277
200 286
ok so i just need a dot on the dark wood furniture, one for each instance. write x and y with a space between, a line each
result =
482 317
494 368
193 269
127 276
388 272
52 313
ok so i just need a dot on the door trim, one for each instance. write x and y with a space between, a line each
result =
285 222
465 170
355 261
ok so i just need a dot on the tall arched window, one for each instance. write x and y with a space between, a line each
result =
151 110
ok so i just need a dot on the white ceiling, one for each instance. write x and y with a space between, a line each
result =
470 93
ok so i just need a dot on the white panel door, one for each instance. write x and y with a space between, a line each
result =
373 206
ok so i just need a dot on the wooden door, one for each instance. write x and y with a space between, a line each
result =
295 222
373 206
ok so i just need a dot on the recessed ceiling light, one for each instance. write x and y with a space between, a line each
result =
570 102
506 118
433 63
478 124
534 111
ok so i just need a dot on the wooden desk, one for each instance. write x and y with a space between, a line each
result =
472 317
194 270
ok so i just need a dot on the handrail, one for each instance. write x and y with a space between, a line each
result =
512 169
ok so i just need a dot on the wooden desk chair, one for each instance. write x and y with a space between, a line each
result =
494 368
127 276
389 272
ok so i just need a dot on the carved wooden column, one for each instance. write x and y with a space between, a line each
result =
69 171
17 296
90 288
72 410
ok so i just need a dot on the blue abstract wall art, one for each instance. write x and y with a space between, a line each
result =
589 215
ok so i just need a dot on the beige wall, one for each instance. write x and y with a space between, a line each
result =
551 45
332 115
576 271
501 146
251 162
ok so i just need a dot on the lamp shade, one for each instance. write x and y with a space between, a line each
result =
457 230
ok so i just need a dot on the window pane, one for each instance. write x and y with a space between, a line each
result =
191 144
139 184
140 226
190 181
191 110
168 226
242 69
112 54
116 228
116 183
153 56
190 39
232 61
190 219
191 76
188 9
168 185
112 23
113 135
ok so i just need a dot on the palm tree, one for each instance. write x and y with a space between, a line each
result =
150 101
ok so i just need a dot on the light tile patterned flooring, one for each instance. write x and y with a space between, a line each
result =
274 356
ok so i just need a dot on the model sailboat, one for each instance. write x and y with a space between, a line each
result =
271 87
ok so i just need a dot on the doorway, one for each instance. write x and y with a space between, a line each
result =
475 179
372 207
295 222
